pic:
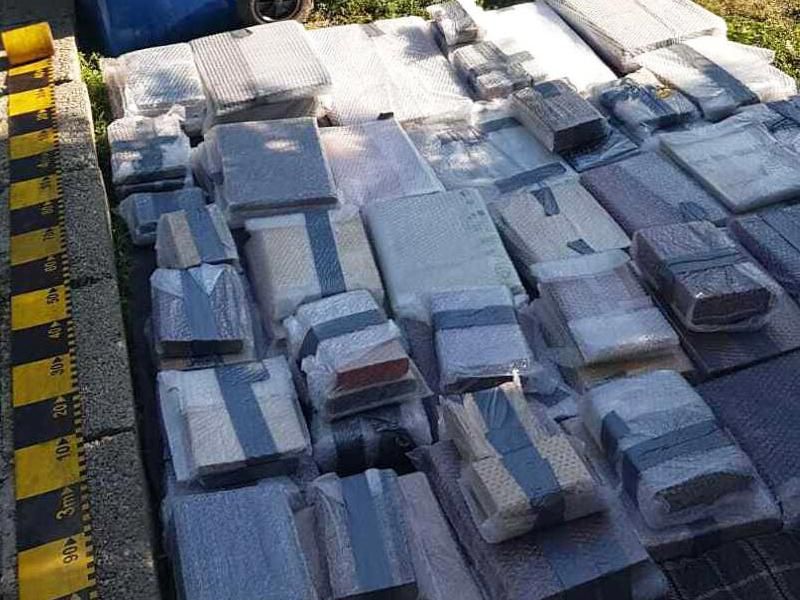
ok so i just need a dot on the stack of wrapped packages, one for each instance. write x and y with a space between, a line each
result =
190 237
142 211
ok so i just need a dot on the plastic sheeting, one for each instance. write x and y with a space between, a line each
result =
458 21
490 73
740 163
378 438
649 190
376 161
439 242
187 238
232 423
706 279
520 471
621 31
302 257
258 169
720 76
479 342
361 527
142 211
597 557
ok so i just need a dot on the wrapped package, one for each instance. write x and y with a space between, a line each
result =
758 405
772 236
649 190
558 52
554 222
197 311
378 438
262 168
720 76
439 242
709 283
673 459
615 146
145 149
457 22
740 163
302 257
597 557
149 82
376 161
442 572
558 116
172 184
361 89
479 342
606 312
187 238
754 512
490 73
520 472
363 532
252 553
270 68
233 423
142 211
623 30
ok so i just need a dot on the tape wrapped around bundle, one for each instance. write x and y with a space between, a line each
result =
457 22
362 530
142 211
233 423
490 73
302 257
188 238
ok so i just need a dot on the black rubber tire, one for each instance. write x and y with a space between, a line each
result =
256 12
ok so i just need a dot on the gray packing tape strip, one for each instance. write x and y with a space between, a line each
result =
372 30
326 256
337 327
783 226
612 430
248 421
527 178
198 308
692 211
548 90
487 316
548 201
740 93
488 127
205 234
348 441
789 110
671 268
580 246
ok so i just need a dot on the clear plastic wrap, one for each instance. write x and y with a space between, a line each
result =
490 73
554 222
558 116
378 438
154 187
615 146
362 530
740 163
302 257
605 310
442 572
261 168
479 342
233 423
434 243
672 457
720 76
621 31
706 279
187 238
376 161
649 190
458 22
142 211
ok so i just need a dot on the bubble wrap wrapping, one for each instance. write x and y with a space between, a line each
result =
479 342
520 472
623 30
145 149
615 146
439 242
754 513
378 438
187 238
458 21
720 76
740 163
490 73
545 223
234 421
362 530
255 550
262 65
153 187
142 211
605 310
302 257
597 557
650 190
258 169
708 282
376 161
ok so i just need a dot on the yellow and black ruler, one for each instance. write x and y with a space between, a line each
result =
54 546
